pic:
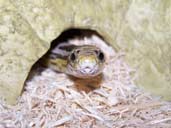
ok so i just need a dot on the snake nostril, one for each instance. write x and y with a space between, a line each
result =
78 51
96 51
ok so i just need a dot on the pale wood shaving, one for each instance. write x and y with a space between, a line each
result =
51 100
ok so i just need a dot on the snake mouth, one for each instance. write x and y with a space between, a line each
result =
87 70
85 62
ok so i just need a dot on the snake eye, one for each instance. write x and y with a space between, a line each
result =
101 56
72 57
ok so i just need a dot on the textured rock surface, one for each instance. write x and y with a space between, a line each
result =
20 47
140 28
146 37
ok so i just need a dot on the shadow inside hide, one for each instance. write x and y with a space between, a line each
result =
88 84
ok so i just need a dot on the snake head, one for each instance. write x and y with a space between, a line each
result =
85 61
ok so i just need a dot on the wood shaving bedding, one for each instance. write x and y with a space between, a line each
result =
51 100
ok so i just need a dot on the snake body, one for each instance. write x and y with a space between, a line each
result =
83 61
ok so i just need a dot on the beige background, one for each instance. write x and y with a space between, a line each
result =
141 28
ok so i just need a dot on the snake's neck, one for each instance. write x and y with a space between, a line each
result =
83 61
56 58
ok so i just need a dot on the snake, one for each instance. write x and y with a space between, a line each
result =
81 61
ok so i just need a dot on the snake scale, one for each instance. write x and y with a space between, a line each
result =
81 61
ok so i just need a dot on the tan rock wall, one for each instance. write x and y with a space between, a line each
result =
141 28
